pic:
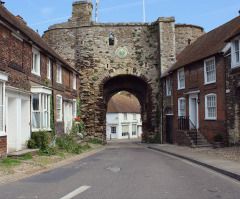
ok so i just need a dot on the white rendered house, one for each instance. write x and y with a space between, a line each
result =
123 119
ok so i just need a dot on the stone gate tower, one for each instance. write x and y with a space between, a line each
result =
114 57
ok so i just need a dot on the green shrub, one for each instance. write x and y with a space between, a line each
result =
70 145
156 139
39 139
9 161
26 157
95 141
48 151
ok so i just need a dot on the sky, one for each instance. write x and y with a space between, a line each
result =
209 14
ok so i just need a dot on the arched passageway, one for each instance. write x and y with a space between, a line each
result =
139 87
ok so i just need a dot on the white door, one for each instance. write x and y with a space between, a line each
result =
193 111
113 132
68 116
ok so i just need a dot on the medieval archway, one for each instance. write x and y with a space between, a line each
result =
137 86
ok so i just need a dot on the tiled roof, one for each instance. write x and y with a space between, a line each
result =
207 45
123 104
31 35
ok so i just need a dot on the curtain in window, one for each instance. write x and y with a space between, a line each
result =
36 111
134 128
125 130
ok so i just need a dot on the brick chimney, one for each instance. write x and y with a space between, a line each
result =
21 19
2 3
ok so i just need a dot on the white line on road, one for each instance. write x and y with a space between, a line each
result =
76 192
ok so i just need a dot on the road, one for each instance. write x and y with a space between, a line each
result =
125 170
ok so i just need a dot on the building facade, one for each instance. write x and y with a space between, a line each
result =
119 56
198 89
34 80
123 119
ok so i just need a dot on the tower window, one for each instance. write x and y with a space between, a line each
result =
111 40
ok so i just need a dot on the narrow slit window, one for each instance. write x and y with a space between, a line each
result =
111 40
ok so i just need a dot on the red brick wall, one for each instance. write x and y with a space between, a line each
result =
194 80
3 147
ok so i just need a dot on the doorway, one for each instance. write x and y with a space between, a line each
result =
68 116
193 112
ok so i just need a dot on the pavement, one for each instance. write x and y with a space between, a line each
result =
229 168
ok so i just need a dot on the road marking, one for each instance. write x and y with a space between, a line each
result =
76 192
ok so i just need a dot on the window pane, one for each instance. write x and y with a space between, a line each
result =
36 102
36 120
1 118
211 107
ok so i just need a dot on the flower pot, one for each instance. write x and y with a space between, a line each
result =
217 145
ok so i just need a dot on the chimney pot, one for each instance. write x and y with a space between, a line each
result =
2 3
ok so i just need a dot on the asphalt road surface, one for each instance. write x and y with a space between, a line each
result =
125 170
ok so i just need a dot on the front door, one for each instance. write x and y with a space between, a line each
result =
193 111
68 116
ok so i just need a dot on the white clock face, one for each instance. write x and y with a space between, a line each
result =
121 52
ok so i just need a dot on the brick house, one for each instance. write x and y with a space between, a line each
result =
195 93
31 73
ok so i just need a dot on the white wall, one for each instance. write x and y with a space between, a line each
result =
117 120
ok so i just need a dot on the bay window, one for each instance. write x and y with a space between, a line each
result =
1 107
41 111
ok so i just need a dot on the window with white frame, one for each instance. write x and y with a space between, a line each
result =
74 81
1 106
49 68
35 61
211 106
74 109
125 130
113 129
59 74
235 55
134 129
181 78
59 107
209 71
134 116
40 111
168 86
181 107
125 116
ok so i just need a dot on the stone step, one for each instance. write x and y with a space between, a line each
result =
22 153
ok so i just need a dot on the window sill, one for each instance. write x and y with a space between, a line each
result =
210 119
43 129
236 66
37 74
207 83
180 88
3 134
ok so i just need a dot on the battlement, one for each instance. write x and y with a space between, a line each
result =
82 12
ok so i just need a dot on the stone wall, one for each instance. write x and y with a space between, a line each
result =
150 51
232 99
186 34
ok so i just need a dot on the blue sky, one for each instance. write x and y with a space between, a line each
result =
40 14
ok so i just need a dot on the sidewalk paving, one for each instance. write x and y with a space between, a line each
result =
224 166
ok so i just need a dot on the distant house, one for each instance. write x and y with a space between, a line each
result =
31 74
199 87
123 118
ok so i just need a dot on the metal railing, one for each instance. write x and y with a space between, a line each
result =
184 123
